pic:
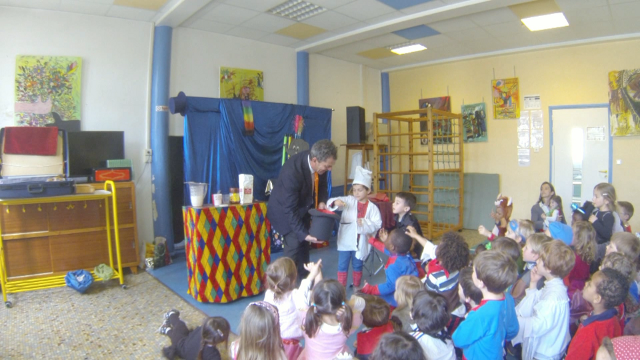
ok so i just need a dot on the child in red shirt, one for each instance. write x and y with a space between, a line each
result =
604 292
375 317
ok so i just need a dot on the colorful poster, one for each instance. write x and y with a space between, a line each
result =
474 121
441 128
48 88
241 84
624 102
506 99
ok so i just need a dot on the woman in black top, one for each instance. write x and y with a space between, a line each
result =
547 191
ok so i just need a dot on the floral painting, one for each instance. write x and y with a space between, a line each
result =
474 121
506 98
47 88
241 84
624 102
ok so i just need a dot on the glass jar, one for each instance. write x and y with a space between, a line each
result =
234 196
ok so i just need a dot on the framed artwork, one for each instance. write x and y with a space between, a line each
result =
241 84
474 122
624 102
506 98
47 88
440 128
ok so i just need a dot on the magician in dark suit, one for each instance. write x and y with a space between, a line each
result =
293 195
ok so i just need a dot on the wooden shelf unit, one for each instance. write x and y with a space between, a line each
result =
52 238
433 152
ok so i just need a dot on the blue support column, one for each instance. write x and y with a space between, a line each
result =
386 96
386 107
303 78
160 182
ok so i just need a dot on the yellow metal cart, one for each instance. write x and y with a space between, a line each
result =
31 246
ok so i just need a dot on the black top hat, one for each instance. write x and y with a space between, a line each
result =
322 222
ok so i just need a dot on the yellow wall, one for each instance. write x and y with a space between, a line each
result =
564 76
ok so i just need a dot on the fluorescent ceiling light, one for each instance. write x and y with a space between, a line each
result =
297 10
544 22
406 49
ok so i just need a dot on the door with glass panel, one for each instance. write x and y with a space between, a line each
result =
580 151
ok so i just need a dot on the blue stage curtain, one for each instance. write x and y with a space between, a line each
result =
216 151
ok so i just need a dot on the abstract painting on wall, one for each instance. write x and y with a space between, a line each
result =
241 84
474 121
624 102
440 127
506 98
47 89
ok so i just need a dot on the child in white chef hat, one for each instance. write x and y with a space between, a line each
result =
360 220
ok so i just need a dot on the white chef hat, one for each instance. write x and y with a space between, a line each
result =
363 177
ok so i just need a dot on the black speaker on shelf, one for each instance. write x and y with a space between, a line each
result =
356 133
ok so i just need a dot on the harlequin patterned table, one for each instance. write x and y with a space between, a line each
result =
228 250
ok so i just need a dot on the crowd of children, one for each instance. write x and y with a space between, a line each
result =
541 290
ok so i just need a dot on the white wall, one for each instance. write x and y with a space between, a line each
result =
197 56
337 84
115 74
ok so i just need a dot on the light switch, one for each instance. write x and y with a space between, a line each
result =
619 162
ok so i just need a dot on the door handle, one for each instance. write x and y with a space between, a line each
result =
603 171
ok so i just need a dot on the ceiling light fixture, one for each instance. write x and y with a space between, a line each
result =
407 48
544 22
297 10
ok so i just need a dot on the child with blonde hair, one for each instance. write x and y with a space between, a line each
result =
407 287
281 292
520 230
530 254
625 243
603 219
329 321
360 220
625 210
620 262
259 334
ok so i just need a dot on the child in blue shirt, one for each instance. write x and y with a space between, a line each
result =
483 333
397 246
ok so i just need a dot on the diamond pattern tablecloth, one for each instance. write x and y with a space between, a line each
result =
228 250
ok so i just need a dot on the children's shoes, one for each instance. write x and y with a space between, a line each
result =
164 328
171 312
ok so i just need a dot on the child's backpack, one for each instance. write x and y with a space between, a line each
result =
79 280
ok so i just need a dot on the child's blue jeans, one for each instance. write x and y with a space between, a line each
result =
344 257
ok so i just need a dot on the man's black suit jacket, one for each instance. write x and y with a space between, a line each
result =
292 197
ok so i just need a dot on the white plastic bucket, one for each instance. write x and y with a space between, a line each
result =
198 191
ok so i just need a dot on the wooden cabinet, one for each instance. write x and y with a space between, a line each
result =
54 238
